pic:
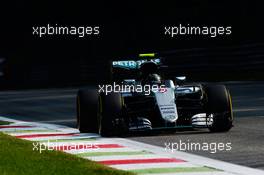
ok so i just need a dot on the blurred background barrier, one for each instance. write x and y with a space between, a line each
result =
240 62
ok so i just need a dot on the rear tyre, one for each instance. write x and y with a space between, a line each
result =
111 109
220 105
87 110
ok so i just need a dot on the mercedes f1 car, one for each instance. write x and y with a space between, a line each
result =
171 104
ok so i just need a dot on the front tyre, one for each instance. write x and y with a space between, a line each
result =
87 110
111 106
220 105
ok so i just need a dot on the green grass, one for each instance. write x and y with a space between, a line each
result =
175 170
18 158
4 122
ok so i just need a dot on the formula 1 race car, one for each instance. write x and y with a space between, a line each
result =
149 102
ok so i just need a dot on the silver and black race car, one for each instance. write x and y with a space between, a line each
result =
149 102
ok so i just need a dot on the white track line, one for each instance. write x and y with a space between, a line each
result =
153 165
139 157
195 173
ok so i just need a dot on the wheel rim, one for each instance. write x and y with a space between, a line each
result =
231 107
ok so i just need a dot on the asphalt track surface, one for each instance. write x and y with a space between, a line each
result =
246 137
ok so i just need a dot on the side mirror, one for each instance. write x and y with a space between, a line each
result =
180 79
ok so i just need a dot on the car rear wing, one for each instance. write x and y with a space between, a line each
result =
131 64
129 68
135 63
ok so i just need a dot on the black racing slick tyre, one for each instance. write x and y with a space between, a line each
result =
87 110
220 105
110 109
